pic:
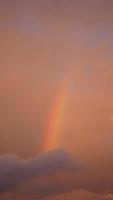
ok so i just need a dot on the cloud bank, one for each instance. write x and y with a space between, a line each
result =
15 171
46 176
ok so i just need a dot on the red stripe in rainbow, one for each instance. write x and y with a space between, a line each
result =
55 118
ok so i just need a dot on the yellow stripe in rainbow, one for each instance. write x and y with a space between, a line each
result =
55 118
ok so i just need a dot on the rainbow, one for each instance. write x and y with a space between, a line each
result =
56 117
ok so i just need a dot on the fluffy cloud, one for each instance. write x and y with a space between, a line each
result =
49 175
14 172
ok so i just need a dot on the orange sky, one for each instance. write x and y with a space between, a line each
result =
39 42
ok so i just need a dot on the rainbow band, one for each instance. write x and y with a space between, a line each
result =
55 118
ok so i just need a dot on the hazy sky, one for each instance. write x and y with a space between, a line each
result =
41 43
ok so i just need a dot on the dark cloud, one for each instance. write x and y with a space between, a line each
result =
15 171
46 175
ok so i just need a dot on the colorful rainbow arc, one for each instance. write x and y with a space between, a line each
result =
55 118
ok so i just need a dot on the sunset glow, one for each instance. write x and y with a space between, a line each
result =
56 99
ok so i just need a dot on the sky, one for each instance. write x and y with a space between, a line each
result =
56 99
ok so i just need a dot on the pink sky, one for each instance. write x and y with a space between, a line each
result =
40 41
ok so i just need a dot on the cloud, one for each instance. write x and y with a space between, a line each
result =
48 175
82 194
15 171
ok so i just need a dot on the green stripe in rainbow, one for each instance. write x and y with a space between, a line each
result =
55 118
